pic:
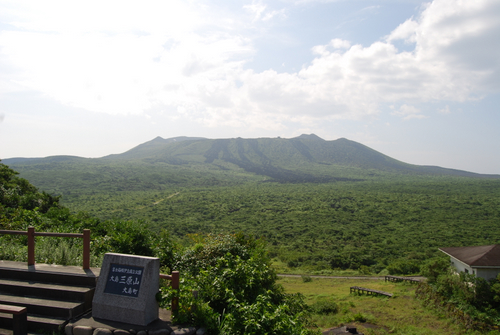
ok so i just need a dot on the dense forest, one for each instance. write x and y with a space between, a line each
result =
336 206
238 293
324 226
228 211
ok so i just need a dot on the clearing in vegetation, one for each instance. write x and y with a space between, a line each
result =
333 305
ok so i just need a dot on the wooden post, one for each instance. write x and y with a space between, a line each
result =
31 246
19 318
86 249
175 286
20 322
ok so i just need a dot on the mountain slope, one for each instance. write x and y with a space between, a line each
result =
275 157
150 148
306 158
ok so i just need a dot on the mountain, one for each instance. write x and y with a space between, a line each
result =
321 204
278 158
147 148
306 158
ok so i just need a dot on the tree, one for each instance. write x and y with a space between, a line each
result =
236 289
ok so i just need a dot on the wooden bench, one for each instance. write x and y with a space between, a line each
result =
358 289
19 318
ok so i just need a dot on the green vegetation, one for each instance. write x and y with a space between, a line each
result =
469 300
391 225
316 207
236 289
332 305
326 226
322 206
22 205
388 222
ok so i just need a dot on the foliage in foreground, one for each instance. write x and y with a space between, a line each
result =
236 290
469 300
22 205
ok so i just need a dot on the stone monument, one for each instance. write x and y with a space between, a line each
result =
126 289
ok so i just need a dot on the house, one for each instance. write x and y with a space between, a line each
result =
482 261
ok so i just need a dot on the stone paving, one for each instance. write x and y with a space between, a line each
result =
87 325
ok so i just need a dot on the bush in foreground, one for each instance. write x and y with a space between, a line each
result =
235 289
471 301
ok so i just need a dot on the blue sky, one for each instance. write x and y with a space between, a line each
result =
416 80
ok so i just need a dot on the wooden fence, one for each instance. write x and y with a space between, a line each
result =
174 282
31 242
400 279
357 289
174 277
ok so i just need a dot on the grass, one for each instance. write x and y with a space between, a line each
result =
281 267
48 250
402 314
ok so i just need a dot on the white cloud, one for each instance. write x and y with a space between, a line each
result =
260 11
338 43
257 8
122 70
54 16
188 57
405 31
445 110
446 64
408 112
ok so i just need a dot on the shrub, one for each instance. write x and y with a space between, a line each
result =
435 267
237 290
324 307
306 279
470 300
364 270
130 237
404 267
360 317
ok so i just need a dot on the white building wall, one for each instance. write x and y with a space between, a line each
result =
487 273
484 273
461 267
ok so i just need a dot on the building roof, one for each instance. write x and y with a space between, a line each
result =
484 255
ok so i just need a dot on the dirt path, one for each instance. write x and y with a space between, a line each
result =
170 196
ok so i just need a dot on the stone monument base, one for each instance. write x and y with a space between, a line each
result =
126 289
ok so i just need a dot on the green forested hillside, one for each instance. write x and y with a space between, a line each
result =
335 225
319 204
237 289
306 158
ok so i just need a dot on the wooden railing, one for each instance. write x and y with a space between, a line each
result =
174 282
174 277
399 279
19 318
357 289
31 242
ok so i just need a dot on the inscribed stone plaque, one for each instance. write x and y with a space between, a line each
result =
124 280
126 289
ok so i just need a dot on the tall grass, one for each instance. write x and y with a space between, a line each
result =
402 314
48 250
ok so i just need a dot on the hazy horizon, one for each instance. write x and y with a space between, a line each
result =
416 80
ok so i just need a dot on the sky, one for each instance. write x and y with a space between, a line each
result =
416 80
